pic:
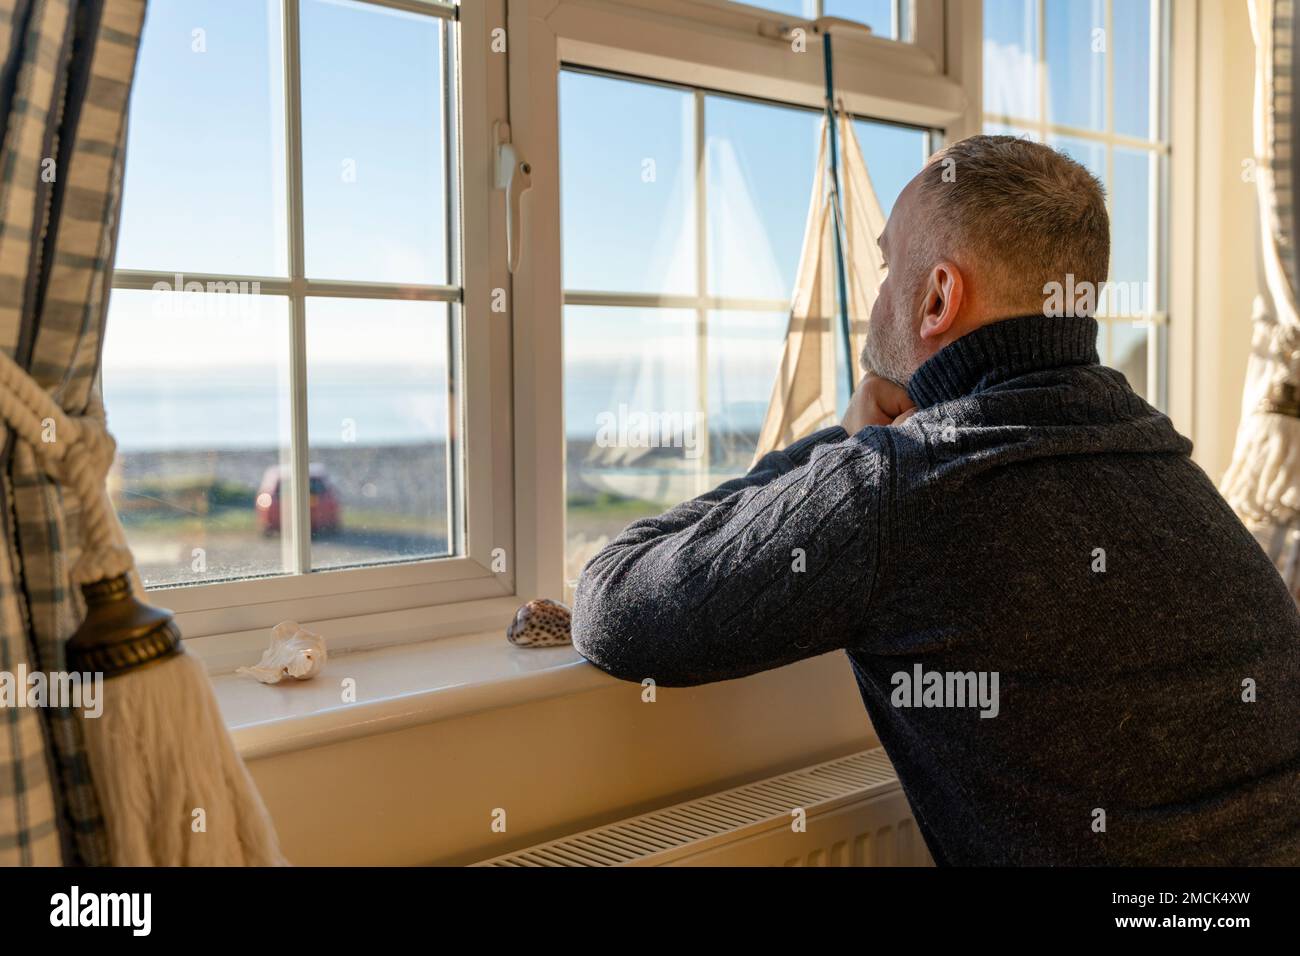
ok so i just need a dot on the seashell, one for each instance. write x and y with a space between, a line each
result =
540 623
294 652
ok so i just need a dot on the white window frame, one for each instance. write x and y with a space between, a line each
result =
714 45
513 365
399 600
536 350
1182 221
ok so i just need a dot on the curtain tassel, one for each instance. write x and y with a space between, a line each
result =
172 787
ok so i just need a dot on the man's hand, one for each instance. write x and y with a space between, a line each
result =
877 401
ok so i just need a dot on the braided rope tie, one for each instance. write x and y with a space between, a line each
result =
75 451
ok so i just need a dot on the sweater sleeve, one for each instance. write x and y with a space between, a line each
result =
763 571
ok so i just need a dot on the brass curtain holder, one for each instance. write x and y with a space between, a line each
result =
1283 398
120 633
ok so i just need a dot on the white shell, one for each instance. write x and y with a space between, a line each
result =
294 652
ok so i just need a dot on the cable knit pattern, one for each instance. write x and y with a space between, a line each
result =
1037 520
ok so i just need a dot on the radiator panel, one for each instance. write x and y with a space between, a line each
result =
855 814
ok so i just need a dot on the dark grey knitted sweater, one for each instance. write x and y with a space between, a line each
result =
972 540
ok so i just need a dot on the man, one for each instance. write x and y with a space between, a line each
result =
1071 649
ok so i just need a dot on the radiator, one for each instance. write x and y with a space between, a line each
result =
854 814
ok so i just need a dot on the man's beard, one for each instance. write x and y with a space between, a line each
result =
886 356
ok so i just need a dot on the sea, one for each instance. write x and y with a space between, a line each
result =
159 410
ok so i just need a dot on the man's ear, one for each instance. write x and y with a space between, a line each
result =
942 301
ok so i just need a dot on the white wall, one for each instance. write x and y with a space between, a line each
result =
1226 244
426 795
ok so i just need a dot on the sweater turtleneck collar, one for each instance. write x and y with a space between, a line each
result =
1002 350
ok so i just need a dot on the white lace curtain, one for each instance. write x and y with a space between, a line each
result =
1263 482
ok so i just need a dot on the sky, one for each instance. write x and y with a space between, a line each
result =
206 185
628 188
205 182
206 191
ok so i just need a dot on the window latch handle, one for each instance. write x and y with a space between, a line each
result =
514 176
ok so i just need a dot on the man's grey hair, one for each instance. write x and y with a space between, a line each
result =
1027 214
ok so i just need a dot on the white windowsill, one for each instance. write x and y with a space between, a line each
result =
397 687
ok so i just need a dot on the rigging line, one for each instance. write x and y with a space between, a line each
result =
837 209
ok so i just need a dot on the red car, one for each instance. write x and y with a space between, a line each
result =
326 510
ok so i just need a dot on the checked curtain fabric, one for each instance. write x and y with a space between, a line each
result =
64 90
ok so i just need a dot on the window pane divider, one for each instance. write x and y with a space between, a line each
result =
433 8
297 549
651 300
153 280
1075 132
453 181
347 289
1156 218
1155 319
1108 27
149 279
703 462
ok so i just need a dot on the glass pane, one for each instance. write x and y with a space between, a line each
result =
628 185
999 129
894 154
744 356
1010 57
377 399
1129 353
877 14
634 438
374 187
196 387
1131 42
205 173
796 8
1083 151
1075 61
761 163
1130 226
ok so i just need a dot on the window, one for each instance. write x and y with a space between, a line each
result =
1089 77
285 332
683 218
891 19
333 398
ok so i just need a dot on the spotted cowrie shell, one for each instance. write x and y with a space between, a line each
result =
540 623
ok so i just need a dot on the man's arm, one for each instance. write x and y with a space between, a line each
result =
763 571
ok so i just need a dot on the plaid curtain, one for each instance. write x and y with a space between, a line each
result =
68 67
